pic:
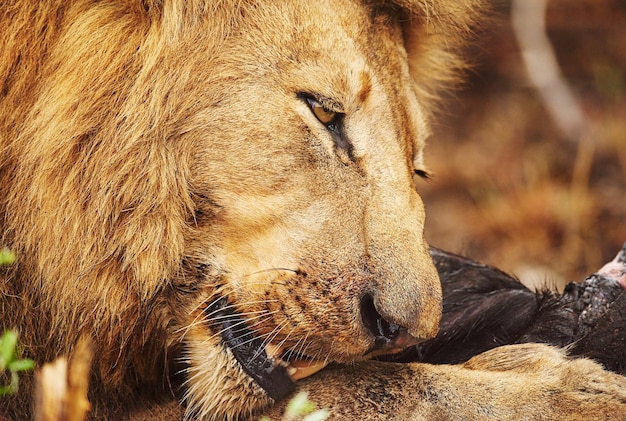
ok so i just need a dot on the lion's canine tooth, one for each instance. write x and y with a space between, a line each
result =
300 369
297 369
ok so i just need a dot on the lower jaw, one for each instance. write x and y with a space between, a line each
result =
261 363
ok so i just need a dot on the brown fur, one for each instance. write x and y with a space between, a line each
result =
155 156
513 382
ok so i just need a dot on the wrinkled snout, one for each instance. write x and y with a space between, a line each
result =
406 298
407 291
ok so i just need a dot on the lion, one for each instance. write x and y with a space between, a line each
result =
220 196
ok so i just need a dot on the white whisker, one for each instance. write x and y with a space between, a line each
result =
270 337
239 323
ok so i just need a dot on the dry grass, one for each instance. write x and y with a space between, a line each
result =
509 190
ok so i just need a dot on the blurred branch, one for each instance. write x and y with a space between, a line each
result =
529 25
61 389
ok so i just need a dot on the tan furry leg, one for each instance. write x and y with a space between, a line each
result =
515 382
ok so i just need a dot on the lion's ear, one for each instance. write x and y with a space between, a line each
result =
435 33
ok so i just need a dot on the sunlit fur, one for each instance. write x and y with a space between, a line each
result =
155 155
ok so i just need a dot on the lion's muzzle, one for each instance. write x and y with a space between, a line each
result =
389 337
407 303
406 290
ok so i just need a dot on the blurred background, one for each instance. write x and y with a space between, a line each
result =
514 187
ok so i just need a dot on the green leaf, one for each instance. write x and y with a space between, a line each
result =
6 390
319 415
299 405
12 387
7 256
8 343
21 365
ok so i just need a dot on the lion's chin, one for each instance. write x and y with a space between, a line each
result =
260 361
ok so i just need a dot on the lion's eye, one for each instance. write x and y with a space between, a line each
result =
419 175
323 114
422 174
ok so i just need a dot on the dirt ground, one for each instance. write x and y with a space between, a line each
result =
508 188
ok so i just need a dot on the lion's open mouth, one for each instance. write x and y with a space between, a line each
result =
259 360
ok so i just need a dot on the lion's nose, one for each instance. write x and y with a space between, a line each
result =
387 335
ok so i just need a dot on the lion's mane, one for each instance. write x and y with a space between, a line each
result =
94 199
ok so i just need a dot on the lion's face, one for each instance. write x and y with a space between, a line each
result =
233 178
307 223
